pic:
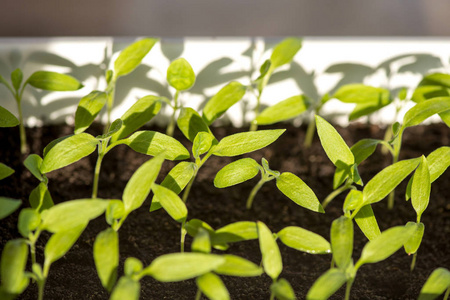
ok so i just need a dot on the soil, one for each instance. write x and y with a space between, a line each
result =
147 235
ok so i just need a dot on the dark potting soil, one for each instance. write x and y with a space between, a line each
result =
147 235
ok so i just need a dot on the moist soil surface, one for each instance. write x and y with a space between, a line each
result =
147 235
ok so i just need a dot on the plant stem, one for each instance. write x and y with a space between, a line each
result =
183 236
111 89
310 133
254 191
447 293
413 263
272 296
335 193
198 296
97 174
348 289
171 126
397 146
41 285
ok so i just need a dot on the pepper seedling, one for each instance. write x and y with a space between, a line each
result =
289 184
44 80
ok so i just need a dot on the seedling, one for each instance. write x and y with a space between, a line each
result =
44 80
437 284
289 184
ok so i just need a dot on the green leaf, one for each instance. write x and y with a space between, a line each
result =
202 143
367 222
441 79
327 284
192 227
182 266
304 240
52 81
113 128
238 266
284 110
201 242
282 290
421 188
413 244
16 78
352 201
8 206
360 93
212 286
5 171
68 151
114 211
423 110
236 172
178 177
295 189
366 108
133 266
285 51
61 242
171 203
222 101
153 143
7 119
139 185
70 214
137 115
132 56
54 143
88 109
40 198
271 257
386 244
190 123
126 288
235 232
342 242
33 163
13 263
334 145
245 142
106 257
29 220
180 75
436 284
387 179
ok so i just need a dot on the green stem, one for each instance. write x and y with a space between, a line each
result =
310 133
188 187
110 91
348 289
335 193
254 125
272 296
198 296
41 285
397 146
23 134
413 262
183 235
97 174
171 127
447 293
254 191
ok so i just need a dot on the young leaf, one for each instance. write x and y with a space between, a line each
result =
176 180
202 143
182 266
54 143
7 119
52 81
245 142
327 284
113 128
304 240
222 101
366 108
201 242
61 242
236 172
190 123
16 78
88 109
33 163
180 75
139 185
126 288
295 189
284 110
40 198
360 93
421 187
68 151
29 220
13 263
137 115
70 214
132 56
436 284
235 232
271 257
132 266
342 241
5 171
334 145
282 290
8 206
171 203
238 266
114 211
192 227
285 51
367 222
106 257
212 286
153 143
386 244
413 244
423 110
352 201
387 179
